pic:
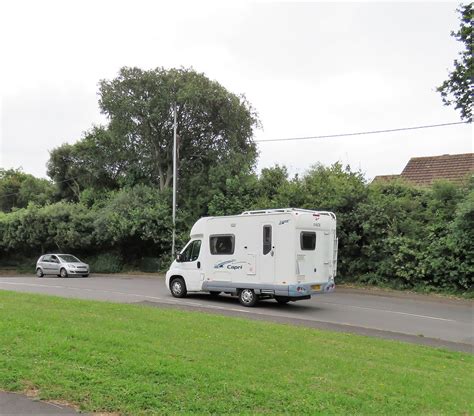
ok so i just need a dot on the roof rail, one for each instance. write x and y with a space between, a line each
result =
278 210
283 210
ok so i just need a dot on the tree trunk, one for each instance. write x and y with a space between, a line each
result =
169 176
162 179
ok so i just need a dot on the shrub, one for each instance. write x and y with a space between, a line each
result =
392 234
149 264
105 263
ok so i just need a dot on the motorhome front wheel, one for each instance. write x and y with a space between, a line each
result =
178 288
247 297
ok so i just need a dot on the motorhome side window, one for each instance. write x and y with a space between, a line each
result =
267 239
192 251
222 244
308 240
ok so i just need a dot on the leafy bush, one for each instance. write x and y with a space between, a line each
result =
391 234
20 263
149 264
105 263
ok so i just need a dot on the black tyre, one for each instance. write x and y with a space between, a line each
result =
63 273
39 272
85 275
282 300
214 294
247 297
178 287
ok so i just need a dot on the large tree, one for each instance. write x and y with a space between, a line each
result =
213 124
98 161
457 89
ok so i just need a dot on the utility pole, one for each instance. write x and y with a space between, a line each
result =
175 126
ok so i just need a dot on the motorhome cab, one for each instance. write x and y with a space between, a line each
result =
287 254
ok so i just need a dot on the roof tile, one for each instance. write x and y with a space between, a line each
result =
425 170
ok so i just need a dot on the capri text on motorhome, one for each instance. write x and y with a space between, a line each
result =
287 254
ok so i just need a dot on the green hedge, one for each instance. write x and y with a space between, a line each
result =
105 263
391 234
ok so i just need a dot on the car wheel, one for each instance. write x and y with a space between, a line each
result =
85 275
63 272
282 300
39 272
247 297
178 287
214 294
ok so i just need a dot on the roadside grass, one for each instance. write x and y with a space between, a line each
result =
135 359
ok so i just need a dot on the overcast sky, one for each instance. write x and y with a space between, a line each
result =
308 68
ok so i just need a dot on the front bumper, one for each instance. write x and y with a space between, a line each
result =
308 289
77 271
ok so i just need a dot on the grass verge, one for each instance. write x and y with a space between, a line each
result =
139 360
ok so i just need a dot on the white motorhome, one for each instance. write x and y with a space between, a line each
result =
287 254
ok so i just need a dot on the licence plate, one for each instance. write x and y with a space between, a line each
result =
316 287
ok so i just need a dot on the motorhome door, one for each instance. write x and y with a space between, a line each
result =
324 255
190 264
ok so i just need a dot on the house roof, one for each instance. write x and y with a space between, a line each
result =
425 170
385 178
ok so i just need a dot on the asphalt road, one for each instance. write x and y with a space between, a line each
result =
412 318
18 404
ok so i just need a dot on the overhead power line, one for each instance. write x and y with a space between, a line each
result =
361 133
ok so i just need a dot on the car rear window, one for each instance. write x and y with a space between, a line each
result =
69 259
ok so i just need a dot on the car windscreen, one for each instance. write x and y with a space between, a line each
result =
69 259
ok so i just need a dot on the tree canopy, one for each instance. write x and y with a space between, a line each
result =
215 134
213 124
457 89
17 189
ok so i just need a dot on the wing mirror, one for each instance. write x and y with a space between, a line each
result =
178 257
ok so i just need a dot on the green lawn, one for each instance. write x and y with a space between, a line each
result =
140 360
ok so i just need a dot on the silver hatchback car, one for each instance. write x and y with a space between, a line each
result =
61 265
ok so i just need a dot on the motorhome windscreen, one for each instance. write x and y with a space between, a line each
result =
222 244
308 240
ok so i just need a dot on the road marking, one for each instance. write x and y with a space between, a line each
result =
31 284
190 303
388 311
116 292
86 289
